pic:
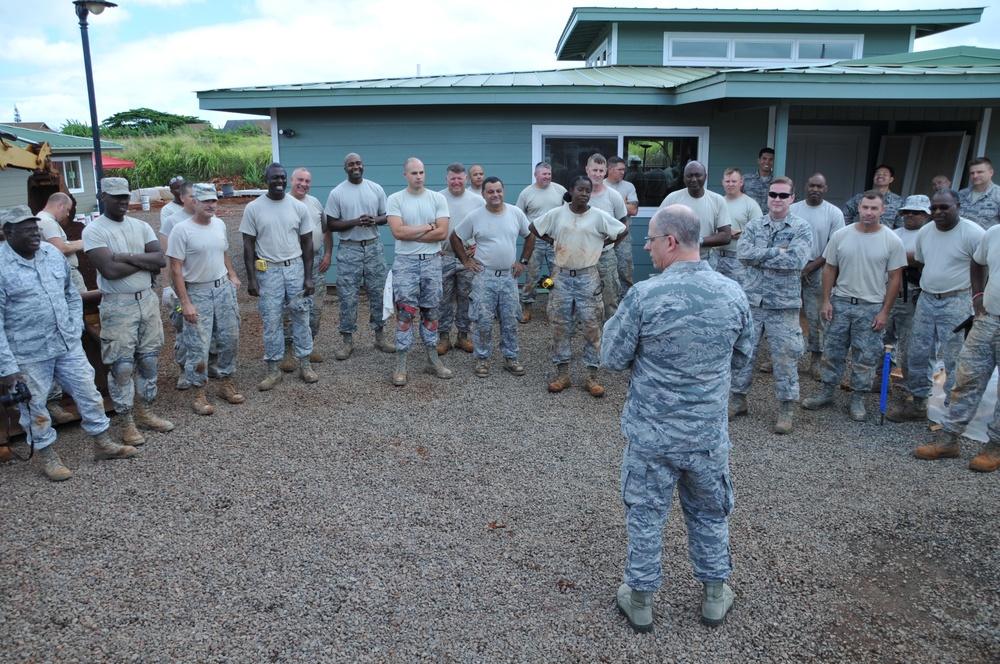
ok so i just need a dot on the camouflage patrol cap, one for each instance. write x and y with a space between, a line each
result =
15 215
115 186
205 192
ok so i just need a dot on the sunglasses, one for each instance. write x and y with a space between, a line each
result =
778 194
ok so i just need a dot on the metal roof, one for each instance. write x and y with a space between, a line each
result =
61 143
587 24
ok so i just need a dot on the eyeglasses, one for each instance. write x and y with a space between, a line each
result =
778 194
942 207
649 238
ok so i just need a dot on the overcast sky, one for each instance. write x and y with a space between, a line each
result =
158 53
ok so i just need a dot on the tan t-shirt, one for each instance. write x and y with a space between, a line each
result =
277 225
863 261
535 202
741 211
946 256
710 208
579 238
201 248
128 236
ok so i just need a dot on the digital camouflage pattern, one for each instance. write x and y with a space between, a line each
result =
357 265
494 297
416 287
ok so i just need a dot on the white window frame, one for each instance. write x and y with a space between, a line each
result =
79 169
857 40
540 132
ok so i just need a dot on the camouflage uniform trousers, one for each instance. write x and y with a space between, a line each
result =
456 286
851 328
131 339
933 322
607 267
784 336
543 252
315 302
280 287
357 264
576 293
623 254
495 295
707 500
416 285
55 392
218 328
74 373
976 363
812 301
730 266
897 331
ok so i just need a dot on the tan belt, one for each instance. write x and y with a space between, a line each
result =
127 296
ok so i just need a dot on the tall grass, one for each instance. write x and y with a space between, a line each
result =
198 156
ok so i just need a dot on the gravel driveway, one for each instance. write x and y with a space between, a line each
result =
480 520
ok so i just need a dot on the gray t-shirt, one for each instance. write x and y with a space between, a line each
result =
495 235
946 256
350 201
535 202
169 210
316 214
459 207
625 189
863 261
167 226
710 208
277 225
988 254
417 210
128 236
824 219
50 228
201 248
741 211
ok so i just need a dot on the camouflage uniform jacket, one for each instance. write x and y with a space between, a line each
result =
40 309
986 210
682 332
773 279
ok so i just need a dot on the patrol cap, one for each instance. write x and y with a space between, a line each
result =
115 186
205 192
15 215
917 202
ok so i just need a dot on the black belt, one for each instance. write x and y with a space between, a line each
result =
499 273
852 300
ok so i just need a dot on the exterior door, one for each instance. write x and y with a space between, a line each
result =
839 153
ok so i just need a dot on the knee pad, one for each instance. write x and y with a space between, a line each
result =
121 371
148 364
429 318
404 316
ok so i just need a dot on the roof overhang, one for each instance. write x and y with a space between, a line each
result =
586 24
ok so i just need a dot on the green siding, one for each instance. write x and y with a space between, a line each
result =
13 187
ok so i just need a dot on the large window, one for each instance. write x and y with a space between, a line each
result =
72 172
761 50
655 156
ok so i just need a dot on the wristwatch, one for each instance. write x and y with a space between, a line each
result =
524 261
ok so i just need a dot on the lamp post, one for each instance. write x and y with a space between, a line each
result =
83 8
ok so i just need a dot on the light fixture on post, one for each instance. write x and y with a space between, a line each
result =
83 8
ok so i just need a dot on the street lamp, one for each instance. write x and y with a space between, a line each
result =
83 8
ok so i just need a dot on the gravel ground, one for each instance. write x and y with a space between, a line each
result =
480 520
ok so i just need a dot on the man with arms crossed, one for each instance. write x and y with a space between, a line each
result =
680 333
418 219
456 280
864 265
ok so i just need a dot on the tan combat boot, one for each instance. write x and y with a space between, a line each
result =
526 313
464 342
814 361
944 445
147 419
912 410
399 378
57 414
784 422
316 356
272 378
288 361
229 390
637 607
988 460
444 343
737 405
382 344
52 465
591 384
346 347
435 366
105 448
306 372
130 433
199 402
562 379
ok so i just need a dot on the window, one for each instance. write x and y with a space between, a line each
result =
72 172
757 50
655 156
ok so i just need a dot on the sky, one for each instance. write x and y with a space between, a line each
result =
159 53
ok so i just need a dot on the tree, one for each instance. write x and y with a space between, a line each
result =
145 121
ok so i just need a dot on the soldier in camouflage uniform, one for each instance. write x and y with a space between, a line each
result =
774 249
945 248
864 265
206 286
757 184
127 257
535 200
355 209
41 315
976 364
980 201
494 230
884 176
915 213
680 333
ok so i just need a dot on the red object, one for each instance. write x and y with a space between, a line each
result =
111 162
